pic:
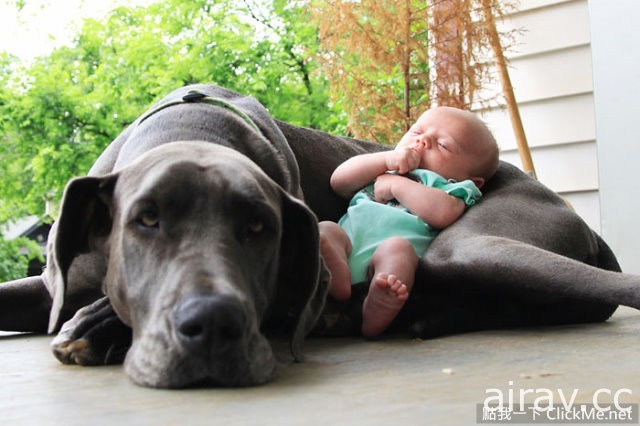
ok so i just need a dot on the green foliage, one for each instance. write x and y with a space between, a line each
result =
15 257
60 111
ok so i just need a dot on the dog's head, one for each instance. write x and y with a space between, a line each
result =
203 251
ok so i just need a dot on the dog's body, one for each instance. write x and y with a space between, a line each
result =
191 224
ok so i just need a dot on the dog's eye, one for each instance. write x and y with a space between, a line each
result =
256 226
149 219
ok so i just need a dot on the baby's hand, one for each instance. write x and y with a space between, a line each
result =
383 187
404 159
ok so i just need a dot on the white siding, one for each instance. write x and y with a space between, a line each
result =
616 58
551 72
548 122
541 25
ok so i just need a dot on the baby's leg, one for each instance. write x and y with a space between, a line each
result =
335 248
393 268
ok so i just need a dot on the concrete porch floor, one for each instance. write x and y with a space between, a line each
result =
343 381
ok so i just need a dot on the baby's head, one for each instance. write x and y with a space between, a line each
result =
454 143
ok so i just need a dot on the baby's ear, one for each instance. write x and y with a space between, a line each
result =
479 181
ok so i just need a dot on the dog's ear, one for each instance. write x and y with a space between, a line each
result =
83 225
302 278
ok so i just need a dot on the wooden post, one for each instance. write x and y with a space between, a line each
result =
507 89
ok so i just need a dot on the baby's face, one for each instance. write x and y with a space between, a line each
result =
444 137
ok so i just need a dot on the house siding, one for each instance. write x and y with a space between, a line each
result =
551 72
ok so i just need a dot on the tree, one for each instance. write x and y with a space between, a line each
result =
374 53
304 89
389 60
461 40
60 112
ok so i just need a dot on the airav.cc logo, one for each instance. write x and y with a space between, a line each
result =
545 405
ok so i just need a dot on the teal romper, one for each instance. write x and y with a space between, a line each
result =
368 223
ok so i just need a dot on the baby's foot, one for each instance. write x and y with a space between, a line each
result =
386 298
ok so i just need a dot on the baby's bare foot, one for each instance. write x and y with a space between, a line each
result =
387 295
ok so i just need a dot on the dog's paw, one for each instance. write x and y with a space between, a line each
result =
94 336
69 351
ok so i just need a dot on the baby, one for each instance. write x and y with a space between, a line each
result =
400 199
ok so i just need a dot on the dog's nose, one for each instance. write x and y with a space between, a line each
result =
209 324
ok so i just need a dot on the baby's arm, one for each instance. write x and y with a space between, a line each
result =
434 206
358 171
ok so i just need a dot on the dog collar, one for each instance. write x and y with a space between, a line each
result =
195 96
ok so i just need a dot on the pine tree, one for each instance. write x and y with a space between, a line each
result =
375 55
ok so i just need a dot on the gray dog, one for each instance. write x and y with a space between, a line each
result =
193 226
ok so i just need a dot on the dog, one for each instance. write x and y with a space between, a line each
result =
193 244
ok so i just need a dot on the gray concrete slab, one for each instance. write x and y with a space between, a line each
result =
344 381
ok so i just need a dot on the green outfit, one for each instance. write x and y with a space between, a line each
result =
368 223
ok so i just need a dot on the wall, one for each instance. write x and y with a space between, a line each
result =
551 72
616 59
